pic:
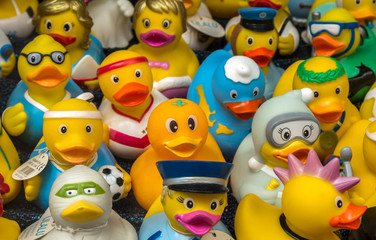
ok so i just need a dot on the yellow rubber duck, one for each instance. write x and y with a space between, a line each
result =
9 229
225 8
73 133
314 205
331 42
44 66
327 78
9 161
69 23
368 108
126 81
158 26
16 17
177 130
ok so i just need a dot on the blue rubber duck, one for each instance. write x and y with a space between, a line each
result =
229 89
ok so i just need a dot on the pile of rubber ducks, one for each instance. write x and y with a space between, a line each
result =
187 119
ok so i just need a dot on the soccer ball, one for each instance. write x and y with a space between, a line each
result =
114 178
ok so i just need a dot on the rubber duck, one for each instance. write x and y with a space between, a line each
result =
126 81
229 89
202 29
364 11
44 66
225 8
9 162
331 106
158 27
336 34
282 125
112 22
81 208
177 130
7 56
313 194
194 198
16 17
85 50
9 229
73 132
368 108
256 38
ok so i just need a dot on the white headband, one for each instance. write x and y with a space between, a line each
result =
73 114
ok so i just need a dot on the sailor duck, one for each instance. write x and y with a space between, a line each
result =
177 130
7 56
229 89
9 229
126 81
44 67
16 17
315 204
202 29
69 23
81 208
331 106
194 198
112 22
158 25
336 34
256 38
73 132
281 126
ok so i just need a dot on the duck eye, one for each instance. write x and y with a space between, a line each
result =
214 204
192 122
250 41
63 129
166 23
316 94
357 2
338 90
233 94
89 191
48 24
373 2
146 22
171 125
339 202
138 73
57 57
71 193
67 26
307 131
256 91
189 203
89 128
285 134
115 79
34 58
270 41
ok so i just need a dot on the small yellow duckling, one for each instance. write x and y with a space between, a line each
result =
159 25
363 11
16 17
314 205
331 106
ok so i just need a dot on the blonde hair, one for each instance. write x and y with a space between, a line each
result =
162 6
51 7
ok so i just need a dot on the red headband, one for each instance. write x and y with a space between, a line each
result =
120 64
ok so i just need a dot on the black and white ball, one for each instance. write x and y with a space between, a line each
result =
114 178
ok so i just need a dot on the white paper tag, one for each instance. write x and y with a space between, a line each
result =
216 235
207 25
31 167
39 228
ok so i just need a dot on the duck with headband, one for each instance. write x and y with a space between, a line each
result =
69 23
159 25
73 133
126 81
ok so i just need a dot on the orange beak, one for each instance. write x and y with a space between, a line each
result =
76 154
47 76
187 4
349 219
364 14
132 94
328 113
261 56
244 110
326 46
301 154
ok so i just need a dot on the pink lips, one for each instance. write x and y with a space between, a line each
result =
156 38
198 222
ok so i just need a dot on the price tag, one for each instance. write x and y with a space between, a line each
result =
31 168
216 235
206 25
39 228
